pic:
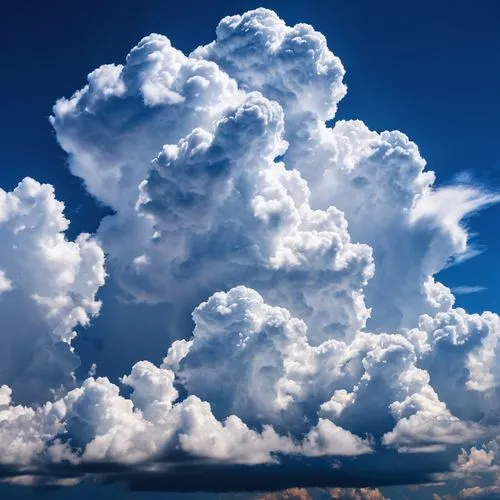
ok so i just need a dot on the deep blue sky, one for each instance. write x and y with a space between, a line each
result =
430 69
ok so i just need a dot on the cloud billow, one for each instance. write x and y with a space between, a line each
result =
306 252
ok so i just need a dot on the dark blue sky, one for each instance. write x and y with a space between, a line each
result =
430 69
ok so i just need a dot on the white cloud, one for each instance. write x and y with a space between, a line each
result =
246 357
475 461
48 288
329 439
5 283
307 252
467 289
378 180
25 431
118 122
291 65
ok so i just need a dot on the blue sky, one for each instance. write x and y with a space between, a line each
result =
427 69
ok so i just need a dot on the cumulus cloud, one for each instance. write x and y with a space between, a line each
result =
307 254
476 460
158 88
48 288
94 422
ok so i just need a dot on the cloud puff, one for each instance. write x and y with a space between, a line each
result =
48 286
307 253
159 89
25 431
291 65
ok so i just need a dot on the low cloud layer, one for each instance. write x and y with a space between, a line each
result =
321 348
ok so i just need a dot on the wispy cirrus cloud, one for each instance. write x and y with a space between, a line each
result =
465 290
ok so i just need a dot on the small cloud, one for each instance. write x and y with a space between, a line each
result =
472 251
466 290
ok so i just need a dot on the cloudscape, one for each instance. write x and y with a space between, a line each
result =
280 268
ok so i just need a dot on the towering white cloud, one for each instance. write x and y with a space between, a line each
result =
308 254
377 180
224 213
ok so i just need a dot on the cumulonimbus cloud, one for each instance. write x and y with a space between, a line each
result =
308 254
